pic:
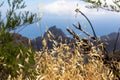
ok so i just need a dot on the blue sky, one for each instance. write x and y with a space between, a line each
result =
62 14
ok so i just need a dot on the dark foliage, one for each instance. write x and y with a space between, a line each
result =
15 58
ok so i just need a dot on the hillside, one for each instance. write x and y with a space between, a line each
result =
53 33
59 36
21 40
110 39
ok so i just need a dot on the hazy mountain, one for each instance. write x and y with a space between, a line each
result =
21 40
111 39
59 36
56 35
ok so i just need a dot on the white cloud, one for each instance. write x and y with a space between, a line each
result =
67 8
60 7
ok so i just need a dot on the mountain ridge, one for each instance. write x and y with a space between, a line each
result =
37 42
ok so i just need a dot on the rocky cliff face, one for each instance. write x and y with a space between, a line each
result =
52 33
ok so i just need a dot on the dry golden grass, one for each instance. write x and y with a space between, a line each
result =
66 63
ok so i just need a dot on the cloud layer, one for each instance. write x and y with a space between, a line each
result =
67 7
62 7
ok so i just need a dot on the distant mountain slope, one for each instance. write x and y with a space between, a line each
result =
18 39
110 39
59 36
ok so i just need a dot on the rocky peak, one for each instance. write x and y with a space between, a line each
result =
56 32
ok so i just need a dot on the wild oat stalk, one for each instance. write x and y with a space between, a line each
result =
77 10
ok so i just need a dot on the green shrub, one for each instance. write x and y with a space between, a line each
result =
15 60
